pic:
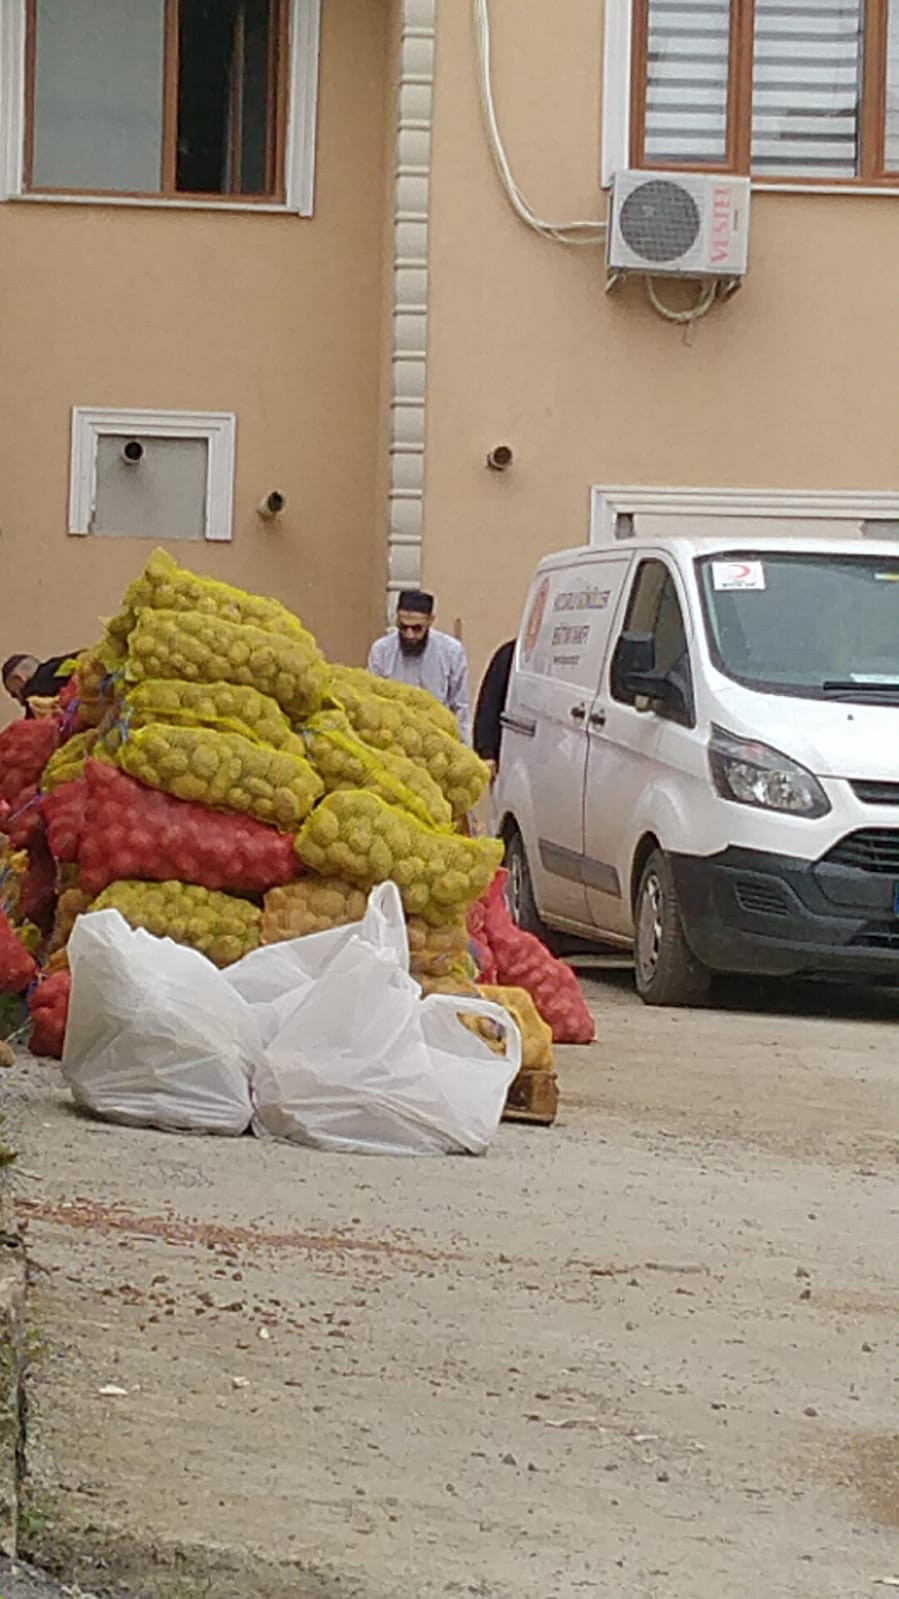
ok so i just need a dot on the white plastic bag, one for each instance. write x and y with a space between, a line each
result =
356 1061
156 1036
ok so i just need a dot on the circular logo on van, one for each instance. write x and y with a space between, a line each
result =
535 618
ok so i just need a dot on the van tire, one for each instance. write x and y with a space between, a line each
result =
667 971
520 890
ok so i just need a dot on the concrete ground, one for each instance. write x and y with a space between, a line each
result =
650 1353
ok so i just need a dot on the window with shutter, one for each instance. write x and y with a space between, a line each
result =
781 89
806 89
687 62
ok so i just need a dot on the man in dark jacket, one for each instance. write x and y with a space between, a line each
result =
488 730
26 678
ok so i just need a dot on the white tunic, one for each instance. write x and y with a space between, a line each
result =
441 669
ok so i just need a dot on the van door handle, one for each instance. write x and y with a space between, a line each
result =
578 713
597 719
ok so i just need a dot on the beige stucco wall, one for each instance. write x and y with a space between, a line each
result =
791 385
275 318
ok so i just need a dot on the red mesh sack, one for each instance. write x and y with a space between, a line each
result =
23 821
478 942
25 749
63 813
17 967
135 832
523 962
48 1007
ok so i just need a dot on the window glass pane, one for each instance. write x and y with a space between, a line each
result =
686 82
224 94
98 94
891 143
807 87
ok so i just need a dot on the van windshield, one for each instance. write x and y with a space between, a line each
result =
821 626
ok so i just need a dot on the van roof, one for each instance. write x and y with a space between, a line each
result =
691 546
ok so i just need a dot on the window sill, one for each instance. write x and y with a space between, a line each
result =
161 203
760 186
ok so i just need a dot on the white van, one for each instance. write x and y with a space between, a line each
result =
700 757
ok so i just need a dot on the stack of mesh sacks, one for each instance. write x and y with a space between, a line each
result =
226 787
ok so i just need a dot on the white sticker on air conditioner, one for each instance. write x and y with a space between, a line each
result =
738 575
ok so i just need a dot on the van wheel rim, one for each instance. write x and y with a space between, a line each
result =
649 929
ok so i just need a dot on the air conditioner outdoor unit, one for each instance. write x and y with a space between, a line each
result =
683 224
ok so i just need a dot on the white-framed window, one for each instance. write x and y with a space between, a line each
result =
152 474
160 102
617 511
797 94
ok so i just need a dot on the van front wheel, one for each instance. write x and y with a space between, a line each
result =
667 971
519 890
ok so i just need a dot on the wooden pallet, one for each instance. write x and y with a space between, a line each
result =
533 1097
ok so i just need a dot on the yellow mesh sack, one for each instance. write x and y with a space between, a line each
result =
311 906
417 699
165 586
220 926
439 951
224 707
72 903
390 725
452 985
536 1035
57 962
93 671
223 771
354 835
206 649
342 760
67 763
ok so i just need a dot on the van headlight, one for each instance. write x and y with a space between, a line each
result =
754 774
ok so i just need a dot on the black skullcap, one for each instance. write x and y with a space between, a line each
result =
416 600
10 664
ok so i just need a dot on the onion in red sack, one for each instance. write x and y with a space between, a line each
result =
37 899
48 1007
135 832
25 749
523 962
63 814
17 967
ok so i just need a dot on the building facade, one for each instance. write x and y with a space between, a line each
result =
312 271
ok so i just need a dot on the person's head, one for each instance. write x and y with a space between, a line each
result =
17 672
414 619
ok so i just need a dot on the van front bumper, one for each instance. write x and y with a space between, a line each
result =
778 916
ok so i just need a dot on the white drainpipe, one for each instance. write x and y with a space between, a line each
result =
410 297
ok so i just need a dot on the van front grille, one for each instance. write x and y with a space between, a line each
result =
873 793
871 849
877 935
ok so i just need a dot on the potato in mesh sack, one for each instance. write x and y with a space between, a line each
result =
343 761
208 649
311 906
536 1034
418 699
439 951
390 725
13 870
220 926
72 903
224 707
94 675
222 771
165 586
356 836
66 764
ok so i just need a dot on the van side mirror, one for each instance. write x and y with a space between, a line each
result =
634 675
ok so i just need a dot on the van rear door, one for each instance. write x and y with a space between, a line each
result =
558 661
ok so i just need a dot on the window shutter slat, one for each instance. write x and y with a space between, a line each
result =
891 141
807 77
